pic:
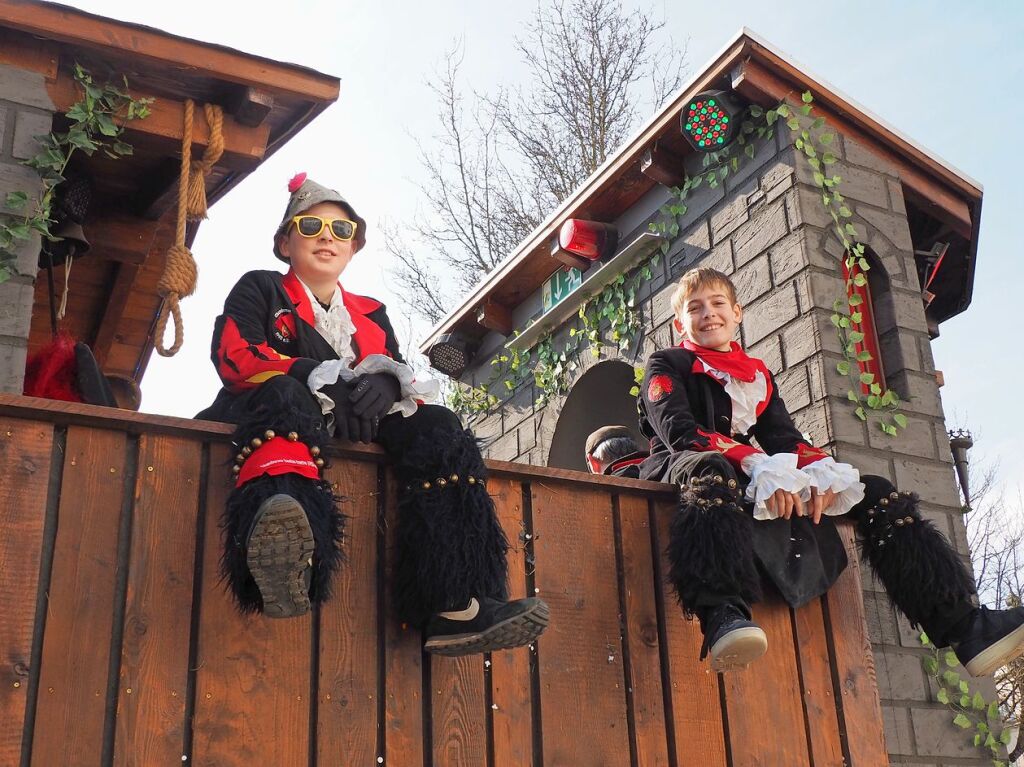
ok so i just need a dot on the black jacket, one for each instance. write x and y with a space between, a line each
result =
267 329
683 410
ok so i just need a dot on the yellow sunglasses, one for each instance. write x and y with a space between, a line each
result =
311 226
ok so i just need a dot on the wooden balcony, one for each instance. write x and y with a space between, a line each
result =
119 646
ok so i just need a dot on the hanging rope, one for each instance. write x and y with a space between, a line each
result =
179 278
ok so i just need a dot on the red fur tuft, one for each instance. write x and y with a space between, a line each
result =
52 372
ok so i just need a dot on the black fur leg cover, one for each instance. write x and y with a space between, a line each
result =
321 506
451 546
710 546
282 405
922 574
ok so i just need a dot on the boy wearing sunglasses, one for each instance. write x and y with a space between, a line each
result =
303 359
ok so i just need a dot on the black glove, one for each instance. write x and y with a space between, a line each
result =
347 424
373 395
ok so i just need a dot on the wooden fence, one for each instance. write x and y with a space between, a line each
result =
119 646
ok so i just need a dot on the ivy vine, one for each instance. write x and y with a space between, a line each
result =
846 309
98 120
971 713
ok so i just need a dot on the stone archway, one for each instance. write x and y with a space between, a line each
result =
598 398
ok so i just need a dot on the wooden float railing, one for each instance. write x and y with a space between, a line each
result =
119 646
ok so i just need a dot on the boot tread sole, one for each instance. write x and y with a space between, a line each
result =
279 551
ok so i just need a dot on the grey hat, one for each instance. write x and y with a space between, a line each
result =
305 194
604 434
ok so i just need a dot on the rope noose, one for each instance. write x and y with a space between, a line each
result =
179 278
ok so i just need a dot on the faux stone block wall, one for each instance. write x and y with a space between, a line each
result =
767 228
25 112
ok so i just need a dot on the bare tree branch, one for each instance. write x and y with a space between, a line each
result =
496 169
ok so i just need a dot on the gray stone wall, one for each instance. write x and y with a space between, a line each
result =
25 112
767 228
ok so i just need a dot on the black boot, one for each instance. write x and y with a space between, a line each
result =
710 546
497 625
450 545
989 639
922 574
733 640
272 526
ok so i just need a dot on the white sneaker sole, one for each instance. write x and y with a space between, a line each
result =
998 655
738 649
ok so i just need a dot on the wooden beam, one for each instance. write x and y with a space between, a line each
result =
663 166
159 192
34 55
495 316
753 81
244 147
121 238
250 106
117 299
201 60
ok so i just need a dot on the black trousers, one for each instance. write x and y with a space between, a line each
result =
450 545
923 576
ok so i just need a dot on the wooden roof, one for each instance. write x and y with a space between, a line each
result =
949 200
113 301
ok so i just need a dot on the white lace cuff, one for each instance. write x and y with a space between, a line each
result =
841 478
769 473
411 390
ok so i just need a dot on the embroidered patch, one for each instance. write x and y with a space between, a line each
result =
658 387
284 326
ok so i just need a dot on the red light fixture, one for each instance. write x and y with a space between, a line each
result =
710 120
591 240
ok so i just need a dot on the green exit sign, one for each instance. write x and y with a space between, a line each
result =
559 285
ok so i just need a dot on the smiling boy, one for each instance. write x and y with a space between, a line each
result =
745 510
303 359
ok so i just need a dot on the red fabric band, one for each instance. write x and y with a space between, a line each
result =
278 456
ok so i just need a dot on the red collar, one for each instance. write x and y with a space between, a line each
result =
369 337
629 460
735 362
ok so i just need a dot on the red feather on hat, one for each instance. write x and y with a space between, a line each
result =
297 180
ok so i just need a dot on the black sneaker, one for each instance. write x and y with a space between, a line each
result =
279 554
733 641
993 639
497 626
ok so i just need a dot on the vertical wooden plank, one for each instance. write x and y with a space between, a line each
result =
25 449
252 678
642 630
458 711
860 713
403 647
583 704
512 715
158 609
347 708
696 701
76 647
766 698
818 693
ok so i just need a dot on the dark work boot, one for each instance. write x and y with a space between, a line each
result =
279 553
497 625
733 640
991 639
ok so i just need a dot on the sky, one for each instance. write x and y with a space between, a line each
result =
914 64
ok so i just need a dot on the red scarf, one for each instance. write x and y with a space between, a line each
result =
735 362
